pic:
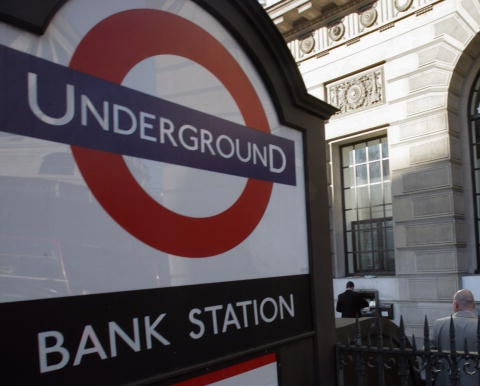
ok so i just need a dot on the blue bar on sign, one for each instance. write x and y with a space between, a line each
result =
45 100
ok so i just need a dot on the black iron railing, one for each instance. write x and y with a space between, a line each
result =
371 357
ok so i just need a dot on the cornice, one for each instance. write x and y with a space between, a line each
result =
347 24
292 15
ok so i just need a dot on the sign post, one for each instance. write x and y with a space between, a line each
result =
164 209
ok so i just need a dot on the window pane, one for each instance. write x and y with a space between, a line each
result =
365 242
477 181
384 148
349 242
387 192
389 238
376 194
386 169
373 150
347 155
364 214
388 210
350 215
360 154
349 199
375 244
351 263
357 241
361 172
378 212
348 179
374 170
366 261
390 263
476 156
477 198
476 132
474 106
362 197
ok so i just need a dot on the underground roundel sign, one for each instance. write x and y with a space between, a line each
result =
102 120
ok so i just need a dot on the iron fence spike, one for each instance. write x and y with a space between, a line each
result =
414 343
417 359
358 335
426 334
402 334
379 329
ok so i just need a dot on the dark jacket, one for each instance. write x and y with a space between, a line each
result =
350 303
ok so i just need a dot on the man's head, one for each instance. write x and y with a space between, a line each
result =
463 301
350 285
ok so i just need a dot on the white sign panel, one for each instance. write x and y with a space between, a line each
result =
141 157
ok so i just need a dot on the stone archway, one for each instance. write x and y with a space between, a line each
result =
465 74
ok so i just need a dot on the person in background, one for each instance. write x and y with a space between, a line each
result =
465 321
350 303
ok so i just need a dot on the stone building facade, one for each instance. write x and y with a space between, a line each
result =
403 147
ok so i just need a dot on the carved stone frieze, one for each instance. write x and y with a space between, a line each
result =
361 91
349 24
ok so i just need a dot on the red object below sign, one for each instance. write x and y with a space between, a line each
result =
229 372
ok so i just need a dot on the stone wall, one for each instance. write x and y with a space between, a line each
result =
406 74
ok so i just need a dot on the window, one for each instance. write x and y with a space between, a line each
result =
367 207
474 118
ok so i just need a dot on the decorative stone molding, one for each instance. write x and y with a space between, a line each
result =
336 32
335 27
307 44
368 17
402 5
358 92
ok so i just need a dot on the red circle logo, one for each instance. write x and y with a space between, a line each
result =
109 51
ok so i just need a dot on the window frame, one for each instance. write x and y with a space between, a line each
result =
473 117
352 262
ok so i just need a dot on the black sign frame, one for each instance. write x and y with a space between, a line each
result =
255 32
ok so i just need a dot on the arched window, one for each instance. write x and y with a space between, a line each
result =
474 119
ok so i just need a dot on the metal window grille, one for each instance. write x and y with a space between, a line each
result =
371 249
